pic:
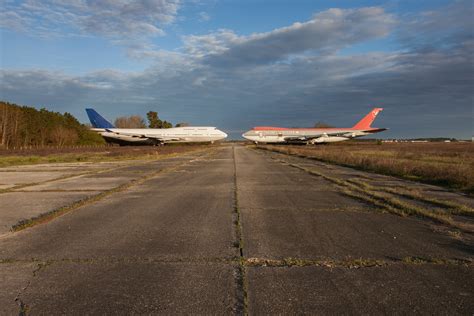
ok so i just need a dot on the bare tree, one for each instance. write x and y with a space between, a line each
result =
3 124
10 120
64 136
134 121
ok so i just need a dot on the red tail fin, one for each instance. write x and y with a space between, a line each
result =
368 119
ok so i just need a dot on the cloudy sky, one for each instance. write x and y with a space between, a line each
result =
240 63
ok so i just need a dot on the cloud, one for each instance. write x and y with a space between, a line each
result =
122 19
327 32
441 28
210 44
204 17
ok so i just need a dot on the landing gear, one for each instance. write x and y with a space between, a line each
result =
158 143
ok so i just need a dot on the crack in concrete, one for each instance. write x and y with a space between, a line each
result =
56 190
241 274
23 307
349 262
354 263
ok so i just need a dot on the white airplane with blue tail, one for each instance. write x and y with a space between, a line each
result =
152 136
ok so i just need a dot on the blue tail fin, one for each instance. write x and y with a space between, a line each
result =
98 121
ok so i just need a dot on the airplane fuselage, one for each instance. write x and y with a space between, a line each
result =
165 135
303 135
269 134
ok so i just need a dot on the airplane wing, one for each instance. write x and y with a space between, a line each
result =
307 138
335 134
376 130
146 136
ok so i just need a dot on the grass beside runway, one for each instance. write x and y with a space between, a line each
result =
47 155
446 164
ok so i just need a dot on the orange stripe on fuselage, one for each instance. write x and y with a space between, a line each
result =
270 128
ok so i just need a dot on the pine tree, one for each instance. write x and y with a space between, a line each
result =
153 120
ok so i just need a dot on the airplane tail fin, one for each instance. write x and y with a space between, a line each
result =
98 121
368 119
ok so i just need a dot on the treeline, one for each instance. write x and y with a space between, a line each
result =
27 126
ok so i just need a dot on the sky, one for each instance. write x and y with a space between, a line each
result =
236 64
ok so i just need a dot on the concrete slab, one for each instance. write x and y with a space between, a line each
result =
397 289
81 183
69 166
340 234
132 288
267 184
282 176
14 277
215 173
6 186
188 218
296 199
17 206
29 177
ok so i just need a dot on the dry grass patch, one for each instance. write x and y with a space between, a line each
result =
350 263
388 202
298 262
94 154
451 207
446 164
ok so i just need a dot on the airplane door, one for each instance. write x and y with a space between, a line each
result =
260 134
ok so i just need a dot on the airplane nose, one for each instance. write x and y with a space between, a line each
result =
224 135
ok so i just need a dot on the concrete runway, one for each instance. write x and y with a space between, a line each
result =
229 231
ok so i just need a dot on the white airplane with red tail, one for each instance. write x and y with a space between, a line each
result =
267 134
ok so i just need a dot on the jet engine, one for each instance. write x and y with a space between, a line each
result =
328 139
